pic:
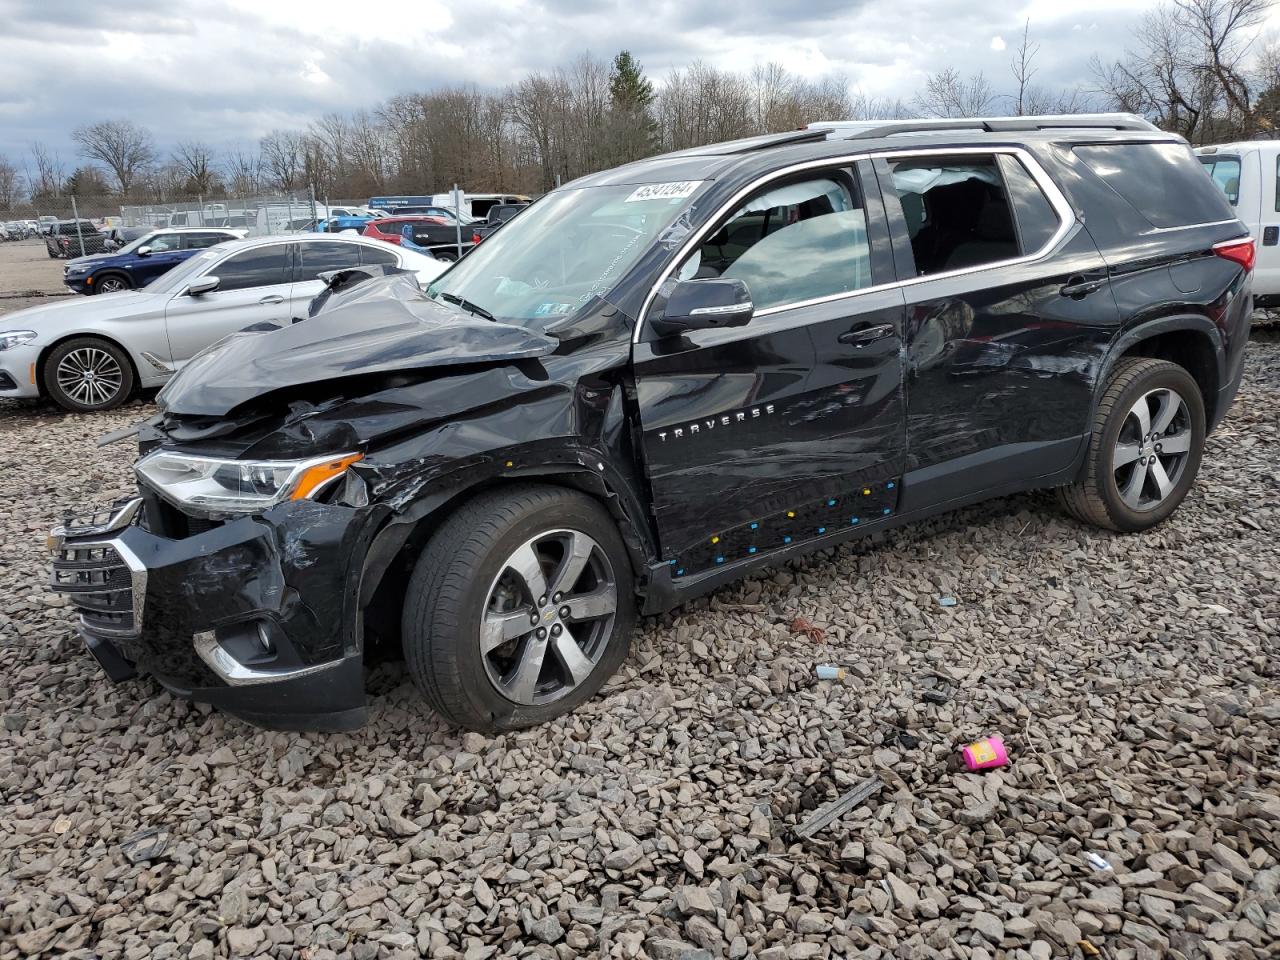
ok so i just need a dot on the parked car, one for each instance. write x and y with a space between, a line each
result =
146 257
437 234
13 230
1248 174
90 354
498 214
430 210
338 223
656 381
476 205
120 237
72 238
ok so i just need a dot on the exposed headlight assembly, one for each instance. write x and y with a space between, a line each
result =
16 338
214 486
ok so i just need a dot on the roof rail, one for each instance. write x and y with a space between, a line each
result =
751 144
876 129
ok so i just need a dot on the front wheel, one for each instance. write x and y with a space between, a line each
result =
87 374
112 283
519 609
1144 453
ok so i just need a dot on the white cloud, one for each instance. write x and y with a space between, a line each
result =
997 43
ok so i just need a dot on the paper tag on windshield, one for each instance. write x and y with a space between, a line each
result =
676 190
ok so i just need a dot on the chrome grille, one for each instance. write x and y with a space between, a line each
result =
103 579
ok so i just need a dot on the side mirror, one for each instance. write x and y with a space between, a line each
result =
143 251
705 305
202 286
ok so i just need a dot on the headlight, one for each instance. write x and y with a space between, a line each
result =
71 270
238 486
16 338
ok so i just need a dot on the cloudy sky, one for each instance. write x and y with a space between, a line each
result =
227 71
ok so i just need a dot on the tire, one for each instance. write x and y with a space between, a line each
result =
446 256
66 380
112 283
1132 482
465 571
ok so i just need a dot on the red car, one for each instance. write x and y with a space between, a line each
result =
389 228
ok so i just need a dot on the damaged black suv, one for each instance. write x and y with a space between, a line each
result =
655 380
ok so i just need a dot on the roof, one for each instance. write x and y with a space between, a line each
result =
842 138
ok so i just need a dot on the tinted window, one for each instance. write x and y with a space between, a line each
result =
1036 219
373 257
790 243
1162 181
318 258
198 241
957 210
1225 172
260 267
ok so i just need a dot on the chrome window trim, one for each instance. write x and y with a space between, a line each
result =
1066 222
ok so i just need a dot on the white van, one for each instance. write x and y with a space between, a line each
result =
1248 173
477 204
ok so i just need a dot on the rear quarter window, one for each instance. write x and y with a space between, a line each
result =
1164 182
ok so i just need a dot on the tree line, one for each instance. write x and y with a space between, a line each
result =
1196 67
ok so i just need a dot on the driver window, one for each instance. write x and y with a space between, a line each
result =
165 241
259 267
800 241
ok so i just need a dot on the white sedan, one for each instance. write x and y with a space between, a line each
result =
90 353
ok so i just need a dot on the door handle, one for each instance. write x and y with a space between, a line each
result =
272 298
861 336
1077 288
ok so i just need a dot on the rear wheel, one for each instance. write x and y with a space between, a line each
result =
445 256
1148 437
519 609
88 374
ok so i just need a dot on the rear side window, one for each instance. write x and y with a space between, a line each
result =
802 241
1225 172
199 241
957 210
259 267
1162 181
318 258
373 257
1034 215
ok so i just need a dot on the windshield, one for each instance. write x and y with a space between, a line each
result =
177 278
569 247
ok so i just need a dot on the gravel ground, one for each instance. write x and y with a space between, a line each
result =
26 267
1134 679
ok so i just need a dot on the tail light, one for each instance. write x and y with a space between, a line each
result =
1242 252
66 241
475 238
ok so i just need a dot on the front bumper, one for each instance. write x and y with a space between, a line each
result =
77 284
17 370
256 616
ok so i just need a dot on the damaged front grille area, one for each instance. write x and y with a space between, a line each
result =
102 577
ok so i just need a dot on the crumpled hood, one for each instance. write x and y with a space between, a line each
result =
363 337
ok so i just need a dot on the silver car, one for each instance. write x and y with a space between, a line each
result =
91 353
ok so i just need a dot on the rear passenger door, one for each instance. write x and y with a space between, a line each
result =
1008 316
790 428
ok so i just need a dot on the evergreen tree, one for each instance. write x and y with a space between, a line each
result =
629 88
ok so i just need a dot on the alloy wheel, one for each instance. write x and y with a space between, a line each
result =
90 376
1152 449
111 285
548 617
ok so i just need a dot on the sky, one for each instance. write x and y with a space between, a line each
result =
228 71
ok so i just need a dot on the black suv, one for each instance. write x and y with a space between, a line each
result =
655 380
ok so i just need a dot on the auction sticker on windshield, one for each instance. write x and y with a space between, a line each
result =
676 190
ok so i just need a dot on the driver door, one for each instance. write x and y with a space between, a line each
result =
254 286
790 428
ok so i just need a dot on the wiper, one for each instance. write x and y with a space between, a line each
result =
468 306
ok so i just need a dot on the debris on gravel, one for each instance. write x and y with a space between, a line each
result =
1134 680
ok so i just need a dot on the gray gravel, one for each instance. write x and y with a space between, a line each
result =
1134 679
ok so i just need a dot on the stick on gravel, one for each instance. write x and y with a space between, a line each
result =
838 807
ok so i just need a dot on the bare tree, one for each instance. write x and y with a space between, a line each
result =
1024 71
49 172
284 157
195 160
124 147
10 184
948 94
243 172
